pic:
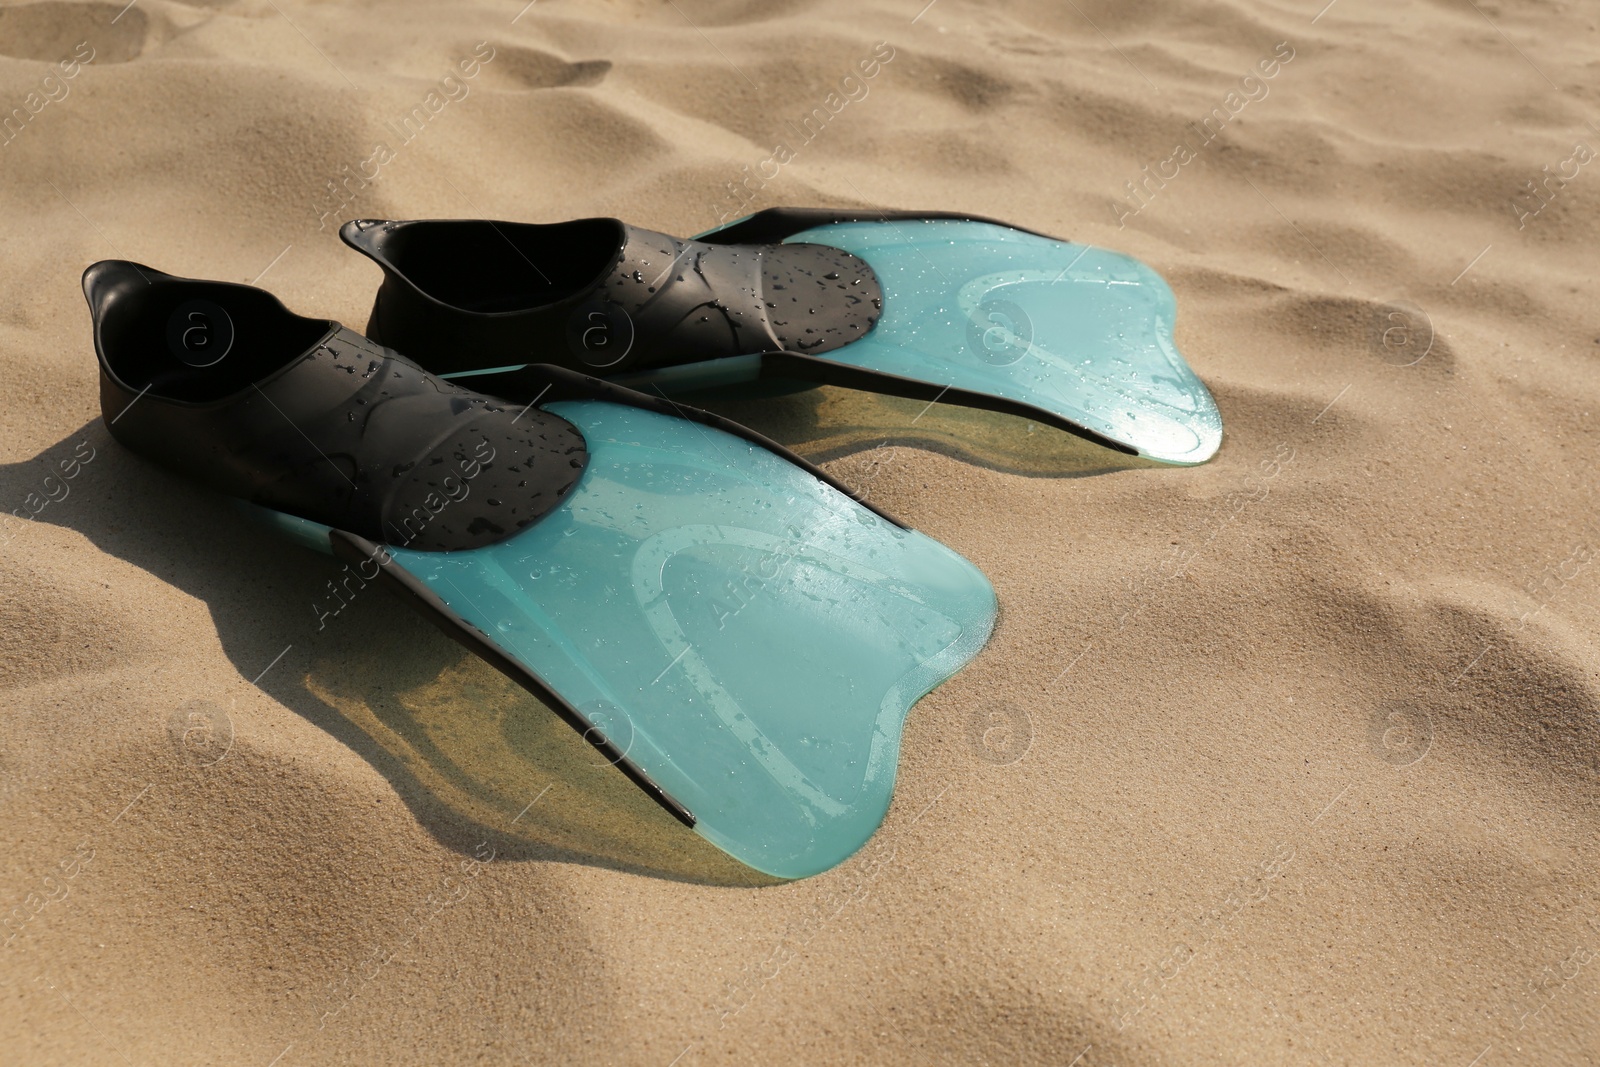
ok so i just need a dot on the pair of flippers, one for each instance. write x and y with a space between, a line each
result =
735 630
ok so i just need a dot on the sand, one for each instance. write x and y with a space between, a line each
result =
1290 758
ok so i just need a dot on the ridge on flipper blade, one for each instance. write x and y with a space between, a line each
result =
733 631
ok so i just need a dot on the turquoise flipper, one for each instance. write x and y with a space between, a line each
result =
735 628
1079 331
748 636
925 306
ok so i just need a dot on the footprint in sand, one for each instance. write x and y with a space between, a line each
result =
52 29
529 68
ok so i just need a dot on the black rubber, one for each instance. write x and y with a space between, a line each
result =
308 418
599 295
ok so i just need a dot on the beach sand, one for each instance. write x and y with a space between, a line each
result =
1289 758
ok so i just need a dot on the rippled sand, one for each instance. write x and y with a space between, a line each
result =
1290 758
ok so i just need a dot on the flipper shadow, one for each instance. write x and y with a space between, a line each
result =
829 422
474 756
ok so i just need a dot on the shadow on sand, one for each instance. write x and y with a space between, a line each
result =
463 746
